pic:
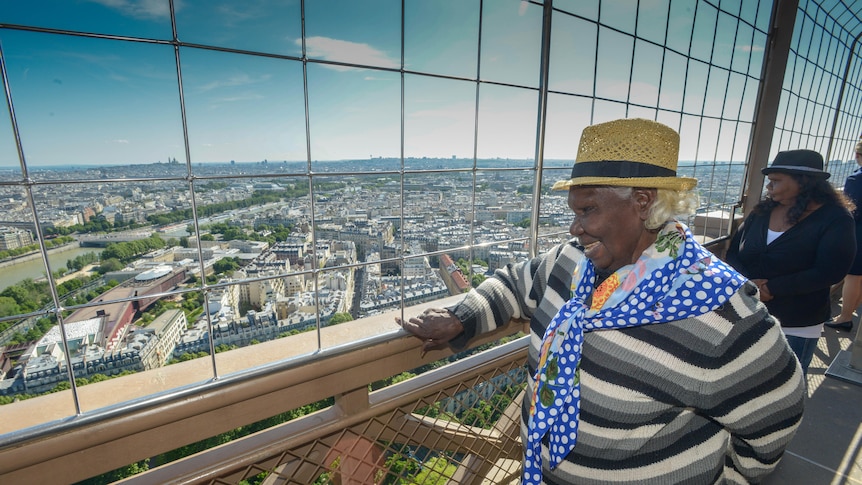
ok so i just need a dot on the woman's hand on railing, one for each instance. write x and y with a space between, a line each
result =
434 326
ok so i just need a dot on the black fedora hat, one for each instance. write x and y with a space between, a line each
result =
802 162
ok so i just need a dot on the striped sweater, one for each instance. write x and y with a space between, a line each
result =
708 400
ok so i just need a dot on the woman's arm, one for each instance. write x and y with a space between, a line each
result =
514 292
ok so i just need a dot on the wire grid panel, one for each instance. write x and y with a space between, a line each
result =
466 433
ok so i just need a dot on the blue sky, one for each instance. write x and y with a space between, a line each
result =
96 101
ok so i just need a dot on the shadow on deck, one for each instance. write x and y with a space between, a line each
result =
827 448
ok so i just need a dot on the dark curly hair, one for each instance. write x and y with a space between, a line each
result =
811 189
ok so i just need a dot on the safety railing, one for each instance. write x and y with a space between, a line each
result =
456 423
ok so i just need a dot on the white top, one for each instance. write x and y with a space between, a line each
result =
772 235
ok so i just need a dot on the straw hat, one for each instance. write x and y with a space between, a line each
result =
801 162
628 153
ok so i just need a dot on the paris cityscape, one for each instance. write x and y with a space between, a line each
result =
258 251
271 268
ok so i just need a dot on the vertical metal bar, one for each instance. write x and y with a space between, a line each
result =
631 64
846 128
315 272
768 97
190 179
687 55
828 154
595 66
735 123
686 85
709 80
401 175
542 115
475 144
664 50
821 101
809 100
27 183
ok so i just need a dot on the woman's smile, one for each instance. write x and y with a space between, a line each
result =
609 223
591 249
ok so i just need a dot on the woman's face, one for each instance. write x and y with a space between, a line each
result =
610 227
782 188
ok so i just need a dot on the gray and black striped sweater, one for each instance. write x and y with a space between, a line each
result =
707 400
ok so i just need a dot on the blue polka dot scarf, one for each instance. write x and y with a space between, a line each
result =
675 278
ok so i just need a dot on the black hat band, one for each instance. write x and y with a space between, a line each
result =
620 169
792 168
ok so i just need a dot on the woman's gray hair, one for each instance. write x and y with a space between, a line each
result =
669 204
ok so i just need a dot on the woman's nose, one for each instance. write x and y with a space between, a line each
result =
575 228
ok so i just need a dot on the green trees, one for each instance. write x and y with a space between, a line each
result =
35 333
8 306
17 397
464 266
96 224
226 265
118 474
277 233
108 265
50 243
340 317
29 295
436 471
259 198
477 279
79 262
71 285
125 251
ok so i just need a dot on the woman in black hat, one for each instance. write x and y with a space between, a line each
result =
795 244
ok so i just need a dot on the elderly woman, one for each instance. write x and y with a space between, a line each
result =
651 361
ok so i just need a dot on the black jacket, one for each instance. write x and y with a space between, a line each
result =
801 265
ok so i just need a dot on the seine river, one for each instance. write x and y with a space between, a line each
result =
34 268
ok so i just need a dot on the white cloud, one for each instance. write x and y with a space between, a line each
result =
345 51
144 9
241 97
236 80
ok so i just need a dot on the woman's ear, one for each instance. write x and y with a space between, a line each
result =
644 199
